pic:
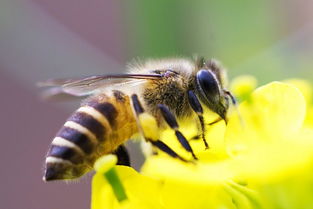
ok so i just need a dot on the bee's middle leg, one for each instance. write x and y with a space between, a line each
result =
172 122
149 128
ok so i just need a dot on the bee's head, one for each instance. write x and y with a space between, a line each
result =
210 91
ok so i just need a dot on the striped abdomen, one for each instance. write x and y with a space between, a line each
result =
97 128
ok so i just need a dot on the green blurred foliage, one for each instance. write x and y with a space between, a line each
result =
249 37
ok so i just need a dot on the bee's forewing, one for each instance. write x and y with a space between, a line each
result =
94 84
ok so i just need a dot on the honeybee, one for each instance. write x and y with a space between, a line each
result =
155 94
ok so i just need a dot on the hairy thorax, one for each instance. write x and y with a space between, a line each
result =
170 91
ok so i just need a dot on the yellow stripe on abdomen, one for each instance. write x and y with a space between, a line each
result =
82 129
97 116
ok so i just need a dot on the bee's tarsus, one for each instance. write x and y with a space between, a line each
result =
216 121
172 122
196 106
203 131
162 146
183 141
197 137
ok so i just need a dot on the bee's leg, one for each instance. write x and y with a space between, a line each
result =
215 121
149 128
197 108
162 146
171 121
122 155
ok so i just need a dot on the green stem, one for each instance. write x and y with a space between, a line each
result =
116 184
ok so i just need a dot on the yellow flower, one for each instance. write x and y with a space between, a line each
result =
273 151
243 86
306 89
261 159
133 193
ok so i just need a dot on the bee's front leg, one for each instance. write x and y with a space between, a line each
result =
149 128
197 108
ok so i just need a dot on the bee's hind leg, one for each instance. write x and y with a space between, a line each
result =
149 128
122 155
197 108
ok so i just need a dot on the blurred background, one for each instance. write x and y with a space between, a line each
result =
42 39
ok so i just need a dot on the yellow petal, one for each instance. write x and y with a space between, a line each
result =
306 89
186 196
142 191
243 86
272 162
200 173
276 110
281 107
304 86
309 117
294 192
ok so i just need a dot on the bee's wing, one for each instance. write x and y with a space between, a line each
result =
57 94
93 84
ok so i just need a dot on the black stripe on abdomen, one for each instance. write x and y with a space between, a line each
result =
90 123
66 153
78 138
106 109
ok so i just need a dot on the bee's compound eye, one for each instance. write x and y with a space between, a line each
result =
208 84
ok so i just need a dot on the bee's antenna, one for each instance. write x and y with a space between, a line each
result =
231 96
235 104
